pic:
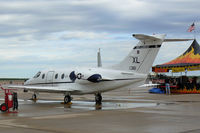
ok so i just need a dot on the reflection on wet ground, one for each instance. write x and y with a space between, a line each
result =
108 105
28 108
90 105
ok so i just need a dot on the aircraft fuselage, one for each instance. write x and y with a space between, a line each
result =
81 84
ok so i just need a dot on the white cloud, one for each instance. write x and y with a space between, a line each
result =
131 9
83 35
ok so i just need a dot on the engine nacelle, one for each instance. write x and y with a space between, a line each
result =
95 78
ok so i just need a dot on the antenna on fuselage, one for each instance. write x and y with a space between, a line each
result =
99 64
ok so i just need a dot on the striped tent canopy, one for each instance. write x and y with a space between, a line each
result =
188 61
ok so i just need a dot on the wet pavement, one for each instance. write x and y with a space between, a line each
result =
122 111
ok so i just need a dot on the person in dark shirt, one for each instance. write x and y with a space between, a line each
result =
15 101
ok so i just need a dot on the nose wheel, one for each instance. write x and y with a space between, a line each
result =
34 97
98 99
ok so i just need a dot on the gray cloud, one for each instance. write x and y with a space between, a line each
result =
43 17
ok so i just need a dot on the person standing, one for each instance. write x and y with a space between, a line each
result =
167 86
15 101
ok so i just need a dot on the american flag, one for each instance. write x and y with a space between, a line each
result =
191 28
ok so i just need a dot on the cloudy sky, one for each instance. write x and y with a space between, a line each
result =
40 34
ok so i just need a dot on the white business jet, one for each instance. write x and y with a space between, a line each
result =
133 69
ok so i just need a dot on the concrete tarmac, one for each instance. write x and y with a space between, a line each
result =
122 111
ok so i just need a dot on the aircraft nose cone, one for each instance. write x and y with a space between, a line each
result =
27 82
95 78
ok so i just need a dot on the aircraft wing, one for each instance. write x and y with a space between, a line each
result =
45 88
149 85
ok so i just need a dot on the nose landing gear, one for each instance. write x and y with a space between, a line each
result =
35 97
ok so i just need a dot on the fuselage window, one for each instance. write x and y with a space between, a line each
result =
43 75
37 75
63 75
56 76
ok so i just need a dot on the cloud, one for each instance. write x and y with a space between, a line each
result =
83 35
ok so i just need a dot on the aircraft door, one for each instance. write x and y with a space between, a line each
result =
49 78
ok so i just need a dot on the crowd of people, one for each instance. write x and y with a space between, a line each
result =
168 83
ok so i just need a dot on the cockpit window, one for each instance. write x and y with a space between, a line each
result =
37 75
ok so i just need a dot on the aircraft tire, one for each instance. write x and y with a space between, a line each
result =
34 96
25 90
98 98
67 99
3 107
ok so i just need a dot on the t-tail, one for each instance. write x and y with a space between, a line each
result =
142 56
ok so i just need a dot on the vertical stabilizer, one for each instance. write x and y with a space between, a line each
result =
99 64
142 56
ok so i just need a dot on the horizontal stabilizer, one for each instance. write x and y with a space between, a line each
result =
143 37
176 40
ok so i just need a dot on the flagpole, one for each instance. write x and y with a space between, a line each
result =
194 31
194 34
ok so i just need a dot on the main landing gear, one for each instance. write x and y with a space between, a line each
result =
98 98
67 99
